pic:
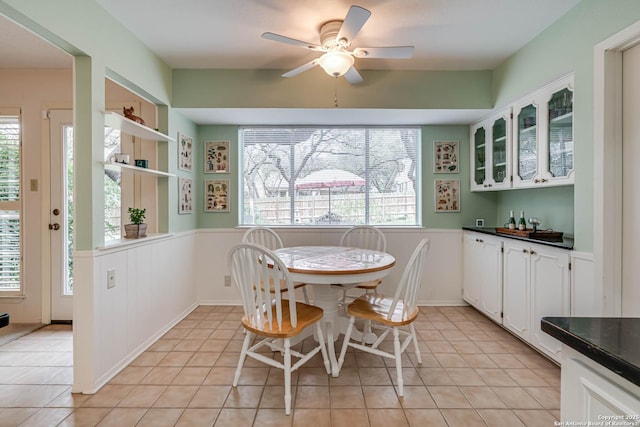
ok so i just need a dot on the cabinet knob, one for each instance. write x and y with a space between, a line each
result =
537 181
533 252
525 251
543 180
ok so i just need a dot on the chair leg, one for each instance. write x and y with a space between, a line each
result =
243 356
415 343
323 348
345 344
287 376
366 330
398 355
304 293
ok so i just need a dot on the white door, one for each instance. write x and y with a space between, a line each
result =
550 289
61 215
491 291
516 286
630 182
471 269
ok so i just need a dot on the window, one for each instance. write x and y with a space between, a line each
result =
112 190
10 205
322 176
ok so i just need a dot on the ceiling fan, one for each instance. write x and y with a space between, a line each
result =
335 41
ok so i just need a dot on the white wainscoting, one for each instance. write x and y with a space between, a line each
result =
159 281
155 289
586 299
442 283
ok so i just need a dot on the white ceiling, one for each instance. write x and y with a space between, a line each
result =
447 35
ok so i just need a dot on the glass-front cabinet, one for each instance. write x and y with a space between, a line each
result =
491 153
543 137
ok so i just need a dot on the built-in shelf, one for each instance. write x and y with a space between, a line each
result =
116 121
119 243
123 167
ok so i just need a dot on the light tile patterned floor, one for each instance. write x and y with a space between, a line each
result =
473 374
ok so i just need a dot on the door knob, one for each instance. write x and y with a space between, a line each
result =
54 226
56 211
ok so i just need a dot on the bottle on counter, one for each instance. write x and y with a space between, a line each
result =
522 225
512 221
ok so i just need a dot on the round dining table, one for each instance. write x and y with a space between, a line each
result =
328 269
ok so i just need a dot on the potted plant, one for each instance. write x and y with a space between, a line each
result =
137 228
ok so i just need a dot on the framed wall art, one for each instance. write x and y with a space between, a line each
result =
216 157
185 152
445 156
447 195
216 195
185 196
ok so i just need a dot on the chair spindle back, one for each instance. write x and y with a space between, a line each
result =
259 274
365 237
411 279
264 236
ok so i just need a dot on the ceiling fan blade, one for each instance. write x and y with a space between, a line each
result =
392 52
301 69
353 22
353 76
289 40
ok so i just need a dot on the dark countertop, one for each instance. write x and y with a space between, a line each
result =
613 342
565 243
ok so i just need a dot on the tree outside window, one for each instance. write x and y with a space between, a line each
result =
320 176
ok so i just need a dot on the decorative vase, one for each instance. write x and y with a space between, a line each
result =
134 231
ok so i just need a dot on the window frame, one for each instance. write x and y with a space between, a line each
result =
418 175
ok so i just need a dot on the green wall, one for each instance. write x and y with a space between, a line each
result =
552 205
102 48
181 222
105 48
313 89
216 219
473 205
567 45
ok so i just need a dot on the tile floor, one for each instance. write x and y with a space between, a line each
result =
473 374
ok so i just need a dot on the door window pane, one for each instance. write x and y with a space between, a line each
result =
10 205
561 133
527 143
499 147
479 143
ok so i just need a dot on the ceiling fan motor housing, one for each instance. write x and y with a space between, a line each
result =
329 36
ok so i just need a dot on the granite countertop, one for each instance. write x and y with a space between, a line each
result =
564 243
613 342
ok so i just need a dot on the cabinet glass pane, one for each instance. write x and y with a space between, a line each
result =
479 143
527 143
561 133
499 154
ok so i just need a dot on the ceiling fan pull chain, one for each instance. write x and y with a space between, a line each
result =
335 91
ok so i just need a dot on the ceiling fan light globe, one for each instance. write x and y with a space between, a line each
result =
336 63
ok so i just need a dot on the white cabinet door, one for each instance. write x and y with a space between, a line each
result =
491 152
516 288
550 294
471 268
491 273
482 273
543 137
591 393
